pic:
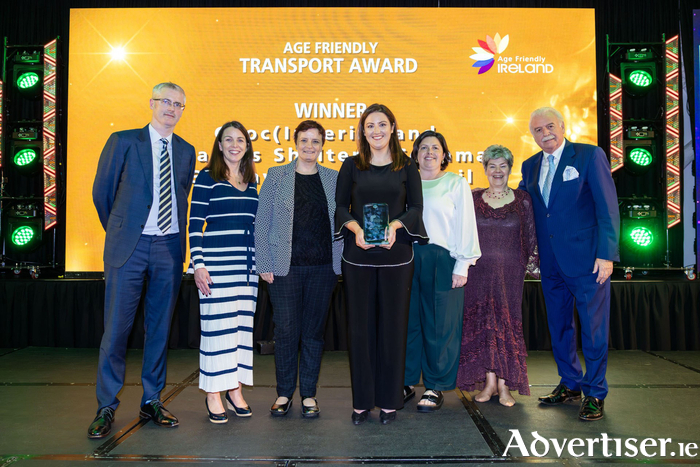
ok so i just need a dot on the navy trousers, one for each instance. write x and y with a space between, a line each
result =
593 306
434 321
377 304
157 262
300 302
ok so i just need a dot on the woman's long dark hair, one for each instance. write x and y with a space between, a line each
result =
218 169
398 158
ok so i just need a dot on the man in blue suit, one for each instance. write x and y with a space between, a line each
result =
140 192
578 225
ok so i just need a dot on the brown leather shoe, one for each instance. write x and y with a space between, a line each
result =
102 424
591 409
155 411
560 395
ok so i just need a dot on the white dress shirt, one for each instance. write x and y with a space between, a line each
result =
545 164
151 227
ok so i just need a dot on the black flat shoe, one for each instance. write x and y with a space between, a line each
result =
215 417
280 410
387 417
360 418
102 424
155 411
433 396
560 395
239 411
591 409
408 393
309 411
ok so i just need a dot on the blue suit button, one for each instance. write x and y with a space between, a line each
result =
551 236
547 214
149 207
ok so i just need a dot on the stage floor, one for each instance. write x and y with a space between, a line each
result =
47 401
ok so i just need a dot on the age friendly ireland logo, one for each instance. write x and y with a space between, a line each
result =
483 58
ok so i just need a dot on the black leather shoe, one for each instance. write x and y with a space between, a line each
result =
431 395
309 411
280 410
591 409
560 395
102 424
408 393
216 417
387 417
360 418
239 411
155 411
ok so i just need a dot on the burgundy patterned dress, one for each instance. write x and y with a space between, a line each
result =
492 339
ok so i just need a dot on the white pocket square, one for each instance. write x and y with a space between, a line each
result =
570 173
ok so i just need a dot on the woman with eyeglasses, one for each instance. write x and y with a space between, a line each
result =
225 197
437 293
378 199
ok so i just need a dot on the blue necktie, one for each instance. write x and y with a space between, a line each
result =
165 201
548 180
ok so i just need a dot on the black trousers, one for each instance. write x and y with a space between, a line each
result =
300 302
377 303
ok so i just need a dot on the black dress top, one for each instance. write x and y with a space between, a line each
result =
311 244
400 190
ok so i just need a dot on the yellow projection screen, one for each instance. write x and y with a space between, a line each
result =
472 74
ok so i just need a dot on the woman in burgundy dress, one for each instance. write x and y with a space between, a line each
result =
493 352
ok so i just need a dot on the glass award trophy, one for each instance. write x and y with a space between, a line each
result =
376 222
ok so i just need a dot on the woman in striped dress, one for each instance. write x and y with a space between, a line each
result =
225 196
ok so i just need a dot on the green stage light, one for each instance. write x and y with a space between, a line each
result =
23 235
642 236
27 80
641 156
640 78
25 157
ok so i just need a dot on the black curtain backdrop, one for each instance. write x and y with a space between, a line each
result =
34 22
649 315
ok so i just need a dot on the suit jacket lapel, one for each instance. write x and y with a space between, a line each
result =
145 151
567 157
534 185
179 169
287 185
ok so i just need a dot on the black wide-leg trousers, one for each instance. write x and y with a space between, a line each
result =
377 304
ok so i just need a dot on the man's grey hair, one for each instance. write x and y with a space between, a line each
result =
544 111
168 85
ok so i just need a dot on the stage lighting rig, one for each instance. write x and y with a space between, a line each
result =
23 227
639 71
640 149
643 233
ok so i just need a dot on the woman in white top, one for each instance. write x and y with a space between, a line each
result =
437 293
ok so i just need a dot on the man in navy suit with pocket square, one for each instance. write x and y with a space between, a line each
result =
578 226
140 192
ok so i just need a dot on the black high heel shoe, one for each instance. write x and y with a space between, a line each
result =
215 417
239 411
359 418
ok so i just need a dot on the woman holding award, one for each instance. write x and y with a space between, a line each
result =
437 293
295 254
379 207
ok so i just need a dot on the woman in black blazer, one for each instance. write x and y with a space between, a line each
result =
297 257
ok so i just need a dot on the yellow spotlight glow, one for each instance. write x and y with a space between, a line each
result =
118 53
509 120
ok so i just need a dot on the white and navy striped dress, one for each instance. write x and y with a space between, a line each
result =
227 251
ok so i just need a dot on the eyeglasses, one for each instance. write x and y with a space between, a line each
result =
168 103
